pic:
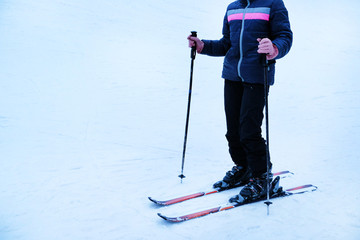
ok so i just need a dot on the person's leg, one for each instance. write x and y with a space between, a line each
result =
239 174
233 92
251 117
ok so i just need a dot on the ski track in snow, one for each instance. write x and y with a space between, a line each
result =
92 113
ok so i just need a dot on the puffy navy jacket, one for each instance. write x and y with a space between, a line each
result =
244 22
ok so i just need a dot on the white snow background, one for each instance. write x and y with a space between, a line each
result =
92 115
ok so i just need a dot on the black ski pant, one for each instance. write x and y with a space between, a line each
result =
244 105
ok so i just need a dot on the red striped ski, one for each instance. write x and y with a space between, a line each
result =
288 192
201 194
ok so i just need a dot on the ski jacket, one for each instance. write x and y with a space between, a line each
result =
244 22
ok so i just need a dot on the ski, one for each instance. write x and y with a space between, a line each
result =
201 194
284 193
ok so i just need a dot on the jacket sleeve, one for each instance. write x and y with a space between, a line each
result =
218 48
280 31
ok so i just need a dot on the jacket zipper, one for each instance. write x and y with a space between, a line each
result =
241 40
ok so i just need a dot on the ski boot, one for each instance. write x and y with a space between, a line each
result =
256 189
237 176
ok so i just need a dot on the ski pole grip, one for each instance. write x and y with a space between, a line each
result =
193 49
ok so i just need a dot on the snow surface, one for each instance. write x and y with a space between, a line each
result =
92 113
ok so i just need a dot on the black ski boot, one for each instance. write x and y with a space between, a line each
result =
237 176
256 189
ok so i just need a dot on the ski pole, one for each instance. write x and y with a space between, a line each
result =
266 91
192 55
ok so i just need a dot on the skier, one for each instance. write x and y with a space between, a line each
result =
251 28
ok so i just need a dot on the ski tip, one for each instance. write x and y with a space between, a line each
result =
162 216
156 201
171 219
314 188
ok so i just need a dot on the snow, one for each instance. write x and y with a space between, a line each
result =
92 114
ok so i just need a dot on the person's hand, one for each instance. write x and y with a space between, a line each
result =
267 47
194 41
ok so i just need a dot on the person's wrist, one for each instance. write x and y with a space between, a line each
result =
273 54
200 46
